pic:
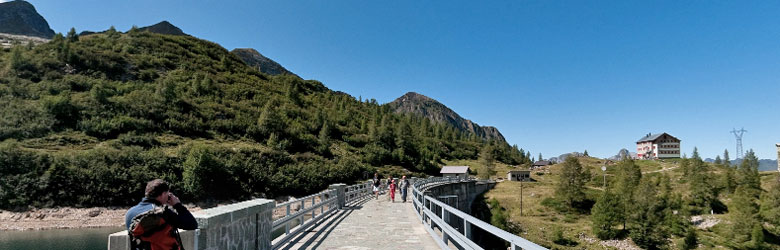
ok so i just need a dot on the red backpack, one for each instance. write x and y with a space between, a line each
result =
149 231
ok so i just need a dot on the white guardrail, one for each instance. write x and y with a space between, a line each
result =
455 225
298 216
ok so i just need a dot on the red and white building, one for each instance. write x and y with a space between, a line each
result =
658 146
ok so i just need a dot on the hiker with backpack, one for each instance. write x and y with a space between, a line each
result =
153 223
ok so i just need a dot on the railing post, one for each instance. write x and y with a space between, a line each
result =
467 228
312 204
339 193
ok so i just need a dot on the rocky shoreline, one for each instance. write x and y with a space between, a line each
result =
64 218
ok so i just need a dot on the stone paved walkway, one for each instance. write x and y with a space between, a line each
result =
370 224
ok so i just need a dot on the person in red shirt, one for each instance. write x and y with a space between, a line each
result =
392 190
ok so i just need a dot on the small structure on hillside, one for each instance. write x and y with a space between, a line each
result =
519 175
658 146
461 172
778 156
539 164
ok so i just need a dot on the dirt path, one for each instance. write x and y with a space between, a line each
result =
660 170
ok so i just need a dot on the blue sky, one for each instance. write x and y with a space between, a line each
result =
552 76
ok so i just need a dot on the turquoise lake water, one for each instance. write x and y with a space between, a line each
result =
64 239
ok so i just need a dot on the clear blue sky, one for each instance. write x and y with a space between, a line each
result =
553 76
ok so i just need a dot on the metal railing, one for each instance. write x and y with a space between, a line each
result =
456 226
358 191
297 219
297 216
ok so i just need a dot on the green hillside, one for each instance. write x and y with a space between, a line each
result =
658 212
86 121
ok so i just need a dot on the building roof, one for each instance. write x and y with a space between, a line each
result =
541 163
518 171
653 137
454 169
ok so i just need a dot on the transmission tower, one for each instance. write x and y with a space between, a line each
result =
738 134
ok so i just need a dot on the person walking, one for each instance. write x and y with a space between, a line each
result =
392 191
387 185
404 188
377 183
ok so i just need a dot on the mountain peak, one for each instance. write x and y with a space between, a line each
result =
432 109
164 27
254 59
20 18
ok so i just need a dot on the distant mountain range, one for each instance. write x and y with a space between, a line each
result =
428 107
21 18
763 164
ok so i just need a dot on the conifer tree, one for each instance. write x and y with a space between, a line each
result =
718 162
691 241
770 206
540 156
748 176
585 153
743 213
72 36
605 214
728 182
726 160
572 182
488 158
628 178
646 217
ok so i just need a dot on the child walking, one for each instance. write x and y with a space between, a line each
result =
392 190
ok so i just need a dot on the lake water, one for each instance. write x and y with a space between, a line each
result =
64 239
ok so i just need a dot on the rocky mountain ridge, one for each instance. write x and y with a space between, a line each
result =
415 103
254 59
20 18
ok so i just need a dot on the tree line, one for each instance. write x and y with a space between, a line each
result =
649 210
99 114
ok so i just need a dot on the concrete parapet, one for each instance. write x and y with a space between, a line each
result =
244 225
340 193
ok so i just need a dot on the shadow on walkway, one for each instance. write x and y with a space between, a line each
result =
318 232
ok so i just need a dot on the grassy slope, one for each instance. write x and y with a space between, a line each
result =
538 221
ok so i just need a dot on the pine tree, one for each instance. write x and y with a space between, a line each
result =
585 153
690 241
488 158
726 159
605 214
628 177
540 156
743 214
72 36
702 191
757 236
718 162
770 206
685 166
728 182
572 182
747 174
646 218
